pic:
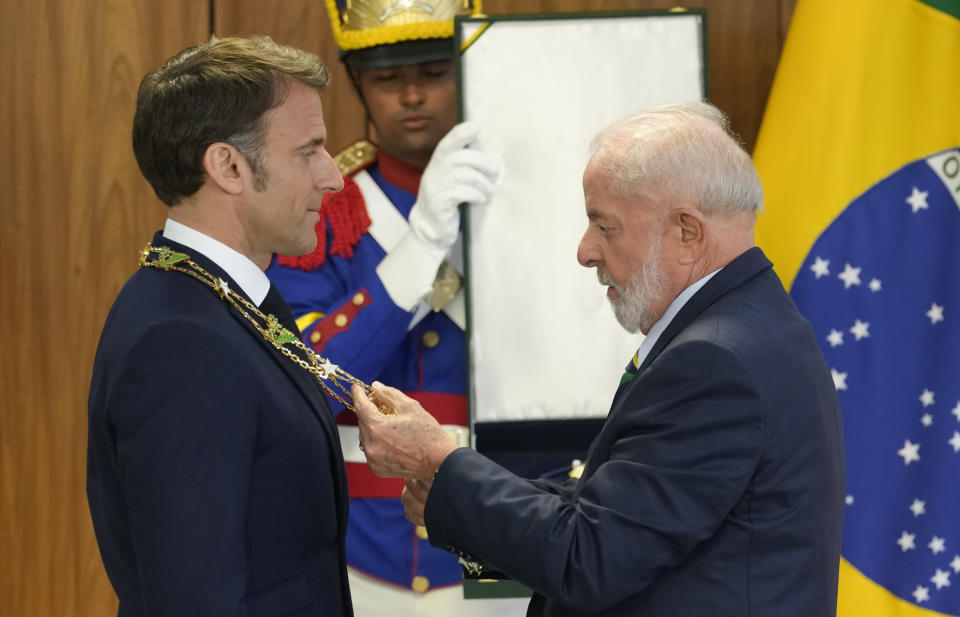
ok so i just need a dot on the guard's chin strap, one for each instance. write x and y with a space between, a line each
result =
355 80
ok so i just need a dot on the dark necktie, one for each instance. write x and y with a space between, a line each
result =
275 305
632 367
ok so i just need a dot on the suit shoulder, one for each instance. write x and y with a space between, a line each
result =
356 156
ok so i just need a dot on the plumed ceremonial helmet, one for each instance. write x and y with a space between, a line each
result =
379 33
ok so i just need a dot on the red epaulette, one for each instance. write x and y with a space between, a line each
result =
345 211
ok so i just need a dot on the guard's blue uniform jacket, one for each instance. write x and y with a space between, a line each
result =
347 316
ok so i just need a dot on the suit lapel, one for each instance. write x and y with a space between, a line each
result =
742 269
311 390
304 381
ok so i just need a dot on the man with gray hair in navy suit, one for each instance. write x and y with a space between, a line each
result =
716 485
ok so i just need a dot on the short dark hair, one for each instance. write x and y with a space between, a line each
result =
212 92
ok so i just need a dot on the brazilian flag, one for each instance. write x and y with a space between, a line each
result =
859 154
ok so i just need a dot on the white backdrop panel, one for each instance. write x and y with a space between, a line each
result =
543 340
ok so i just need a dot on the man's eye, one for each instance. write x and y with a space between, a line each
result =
436 69
385 76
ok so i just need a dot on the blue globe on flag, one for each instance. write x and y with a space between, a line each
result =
881 287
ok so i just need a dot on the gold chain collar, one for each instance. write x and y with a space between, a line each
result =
335 381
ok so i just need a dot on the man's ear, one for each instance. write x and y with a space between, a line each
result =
692 226
226 167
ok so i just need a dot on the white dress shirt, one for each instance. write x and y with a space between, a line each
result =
241 269
661 324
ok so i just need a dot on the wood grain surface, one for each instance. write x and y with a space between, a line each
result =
75 211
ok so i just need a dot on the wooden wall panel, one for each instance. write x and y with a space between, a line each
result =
744 42
73 215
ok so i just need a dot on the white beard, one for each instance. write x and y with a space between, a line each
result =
632 307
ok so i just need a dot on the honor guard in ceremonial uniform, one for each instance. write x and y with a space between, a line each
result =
380 296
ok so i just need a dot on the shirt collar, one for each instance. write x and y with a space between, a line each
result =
661 324
240 268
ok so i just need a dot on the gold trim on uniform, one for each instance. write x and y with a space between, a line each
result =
368 23
355 156
305 320
445 286
420 584
430 338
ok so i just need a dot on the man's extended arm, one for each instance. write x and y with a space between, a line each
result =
674 458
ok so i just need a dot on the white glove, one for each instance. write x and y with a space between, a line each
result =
457 173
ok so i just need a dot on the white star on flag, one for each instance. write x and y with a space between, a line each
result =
860 329
850 276
910 452
941 579
894 358
839 379
918 507
935 313
819 267
906 541
917 200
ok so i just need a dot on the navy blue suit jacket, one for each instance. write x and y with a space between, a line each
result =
214 472
715 487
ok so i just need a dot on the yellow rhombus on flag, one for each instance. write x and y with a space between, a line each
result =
859 154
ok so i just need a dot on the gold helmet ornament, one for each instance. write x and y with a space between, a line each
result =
380 33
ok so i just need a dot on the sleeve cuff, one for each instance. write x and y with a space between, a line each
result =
408 271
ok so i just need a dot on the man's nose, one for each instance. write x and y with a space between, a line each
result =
330 180
411 94
587 253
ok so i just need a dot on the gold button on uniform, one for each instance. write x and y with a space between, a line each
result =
358 299
340 320
420 584
421 532
430 338
315 336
